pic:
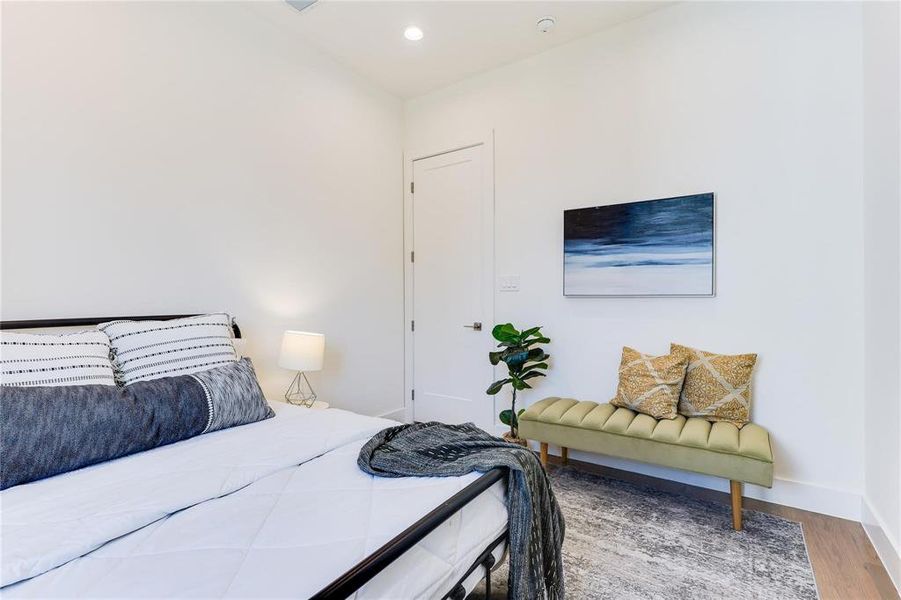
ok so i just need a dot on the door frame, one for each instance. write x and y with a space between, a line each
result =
487 141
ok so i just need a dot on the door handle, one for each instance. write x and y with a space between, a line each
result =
476 326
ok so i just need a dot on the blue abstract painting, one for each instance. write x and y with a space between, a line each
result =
651 248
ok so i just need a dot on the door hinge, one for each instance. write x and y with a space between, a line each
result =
411 187
412 394
412 325
412 256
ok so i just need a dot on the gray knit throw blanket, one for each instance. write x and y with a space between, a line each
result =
535 522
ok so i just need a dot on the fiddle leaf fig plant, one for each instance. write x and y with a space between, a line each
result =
525 360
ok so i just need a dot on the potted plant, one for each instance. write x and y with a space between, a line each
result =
525 360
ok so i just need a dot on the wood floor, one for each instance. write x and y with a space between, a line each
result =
844 562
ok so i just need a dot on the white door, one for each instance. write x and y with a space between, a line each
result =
453 245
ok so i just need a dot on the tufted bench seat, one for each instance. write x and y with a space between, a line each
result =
720 449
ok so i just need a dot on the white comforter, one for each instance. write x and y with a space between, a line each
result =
272 509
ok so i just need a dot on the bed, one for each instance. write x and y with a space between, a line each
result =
276 508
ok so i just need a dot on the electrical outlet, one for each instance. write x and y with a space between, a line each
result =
508 283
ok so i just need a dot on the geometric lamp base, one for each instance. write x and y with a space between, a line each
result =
300 392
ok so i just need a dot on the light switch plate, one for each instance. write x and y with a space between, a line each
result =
508 283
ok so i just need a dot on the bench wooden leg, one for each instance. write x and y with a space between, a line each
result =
735 488
543 454
564 455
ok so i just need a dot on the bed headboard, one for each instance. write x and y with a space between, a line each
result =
85 321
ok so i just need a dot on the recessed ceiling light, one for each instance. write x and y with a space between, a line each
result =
413 33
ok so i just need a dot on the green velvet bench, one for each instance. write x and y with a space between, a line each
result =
719 449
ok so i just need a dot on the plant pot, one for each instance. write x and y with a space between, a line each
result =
508 437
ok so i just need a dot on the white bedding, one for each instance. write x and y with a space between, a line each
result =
273 509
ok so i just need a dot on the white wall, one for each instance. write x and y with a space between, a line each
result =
882 269
173 157
758 102
176 157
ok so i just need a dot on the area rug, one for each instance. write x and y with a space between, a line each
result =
628 541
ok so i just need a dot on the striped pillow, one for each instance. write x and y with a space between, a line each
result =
34 359
145 350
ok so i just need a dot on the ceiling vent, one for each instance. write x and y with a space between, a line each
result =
546 24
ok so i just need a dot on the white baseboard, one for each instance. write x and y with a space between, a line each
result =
887 548
843 504
398 414
806 496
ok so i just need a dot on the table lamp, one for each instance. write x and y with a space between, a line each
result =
301 352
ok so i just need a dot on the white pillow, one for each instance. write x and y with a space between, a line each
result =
35 359
145 350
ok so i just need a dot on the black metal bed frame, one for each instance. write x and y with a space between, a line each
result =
361 573
86 321
375 563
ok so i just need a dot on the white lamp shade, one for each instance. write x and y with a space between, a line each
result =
302 351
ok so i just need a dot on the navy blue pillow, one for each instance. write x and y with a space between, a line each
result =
46 431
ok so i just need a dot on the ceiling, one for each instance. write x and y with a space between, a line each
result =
462 37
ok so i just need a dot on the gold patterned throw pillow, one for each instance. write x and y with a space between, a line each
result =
650 384
717 386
